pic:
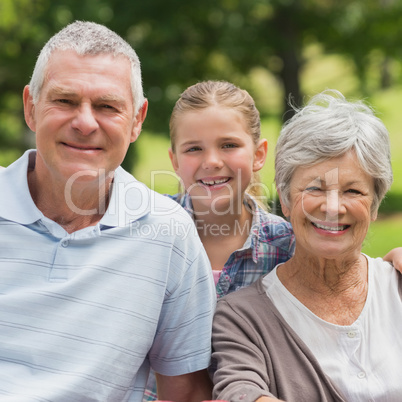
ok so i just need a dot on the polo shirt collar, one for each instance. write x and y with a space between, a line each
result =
130 199
16 203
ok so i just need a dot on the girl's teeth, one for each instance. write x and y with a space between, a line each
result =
213 182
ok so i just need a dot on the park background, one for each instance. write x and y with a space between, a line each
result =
272 48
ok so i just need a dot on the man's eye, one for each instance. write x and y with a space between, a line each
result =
105 107
65 101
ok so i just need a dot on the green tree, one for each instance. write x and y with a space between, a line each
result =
181 42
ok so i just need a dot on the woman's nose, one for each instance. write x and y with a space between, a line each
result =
333 204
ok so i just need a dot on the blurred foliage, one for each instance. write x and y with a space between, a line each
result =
181 42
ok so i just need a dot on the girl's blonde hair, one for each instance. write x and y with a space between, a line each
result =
221 93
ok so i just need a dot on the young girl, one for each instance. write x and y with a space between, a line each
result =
217 151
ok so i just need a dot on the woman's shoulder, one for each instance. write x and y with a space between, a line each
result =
383 273
379 263
244 295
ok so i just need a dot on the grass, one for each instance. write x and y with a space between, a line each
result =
384 235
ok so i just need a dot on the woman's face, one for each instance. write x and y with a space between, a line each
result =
330 207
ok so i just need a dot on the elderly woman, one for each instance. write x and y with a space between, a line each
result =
325 325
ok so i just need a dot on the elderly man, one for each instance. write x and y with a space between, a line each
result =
100 277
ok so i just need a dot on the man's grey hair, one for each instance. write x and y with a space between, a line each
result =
88 38
328 127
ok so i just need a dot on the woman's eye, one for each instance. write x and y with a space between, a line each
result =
313 188
353 191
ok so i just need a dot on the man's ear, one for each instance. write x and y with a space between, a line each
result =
139 120
260 155
173 159
29 108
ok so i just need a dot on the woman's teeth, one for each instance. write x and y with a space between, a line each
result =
332 228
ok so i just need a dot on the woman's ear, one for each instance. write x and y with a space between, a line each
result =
173 160
285 209
260 155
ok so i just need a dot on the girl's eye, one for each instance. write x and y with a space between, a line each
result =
193 149
230 146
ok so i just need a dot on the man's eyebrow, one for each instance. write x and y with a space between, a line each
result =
57 90
60 91
111 98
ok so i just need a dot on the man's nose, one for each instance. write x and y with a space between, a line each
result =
84 120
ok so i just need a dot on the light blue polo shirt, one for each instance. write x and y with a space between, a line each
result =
84 315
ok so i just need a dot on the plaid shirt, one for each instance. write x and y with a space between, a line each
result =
269 243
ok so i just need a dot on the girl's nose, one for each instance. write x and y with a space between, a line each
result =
212 160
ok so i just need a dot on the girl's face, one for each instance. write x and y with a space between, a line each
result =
215 158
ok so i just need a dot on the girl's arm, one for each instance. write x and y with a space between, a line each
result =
395 257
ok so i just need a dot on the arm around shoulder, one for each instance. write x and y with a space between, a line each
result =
395 258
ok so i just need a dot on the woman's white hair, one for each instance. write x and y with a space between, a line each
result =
88 38
327 127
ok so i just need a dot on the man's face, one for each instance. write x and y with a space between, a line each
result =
84 119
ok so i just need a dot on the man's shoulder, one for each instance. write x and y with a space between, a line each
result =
16 204
137 199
